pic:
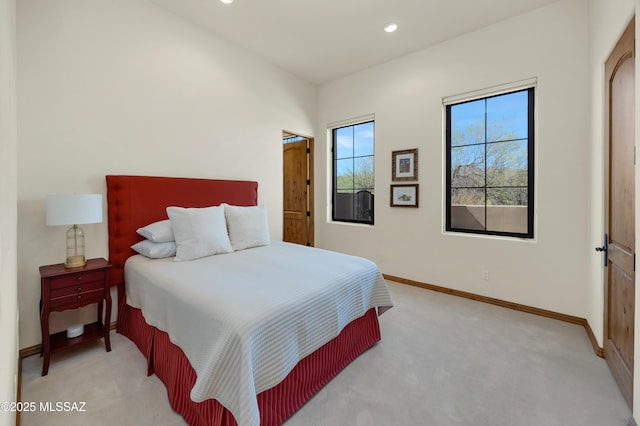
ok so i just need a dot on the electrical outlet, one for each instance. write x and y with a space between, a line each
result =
485 275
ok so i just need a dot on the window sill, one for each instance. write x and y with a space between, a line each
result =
358 225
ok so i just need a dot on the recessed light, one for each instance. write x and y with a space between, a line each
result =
227 1
391 28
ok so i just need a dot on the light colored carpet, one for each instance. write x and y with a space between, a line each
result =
442 361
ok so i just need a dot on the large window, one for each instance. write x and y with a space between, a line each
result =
353 173
490 143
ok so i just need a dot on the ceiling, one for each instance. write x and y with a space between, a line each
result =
322 40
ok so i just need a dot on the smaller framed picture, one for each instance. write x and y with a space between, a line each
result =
404 195
404 165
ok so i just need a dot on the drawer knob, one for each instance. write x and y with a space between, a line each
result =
79 288
79 297
79 278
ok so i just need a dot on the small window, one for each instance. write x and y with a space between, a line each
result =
353 173
489 180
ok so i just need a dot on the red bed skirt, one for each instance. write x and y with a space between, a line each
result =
277 404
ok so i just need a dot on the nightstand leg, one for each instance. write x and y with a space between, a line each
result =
100 312
44 325
107 321
41 329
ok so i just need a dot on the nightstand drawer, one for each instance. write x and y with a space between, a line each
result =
80 298
81 287
75 279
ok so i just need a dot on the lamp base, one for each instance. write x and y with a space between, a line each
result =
75 262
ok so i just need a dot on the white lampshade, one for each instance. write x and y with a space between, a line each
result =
74 209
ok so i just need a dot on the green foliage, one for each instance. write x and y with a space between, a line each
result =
357 178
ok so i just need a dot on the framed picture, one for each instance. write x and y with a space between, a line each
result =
404 195
404 165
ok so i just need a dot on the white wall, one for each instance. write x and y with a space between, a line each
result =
124 87
8 218
406 97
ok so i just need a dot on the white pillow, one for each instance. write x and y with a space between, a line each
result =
248 226
199 232
158 232
155 250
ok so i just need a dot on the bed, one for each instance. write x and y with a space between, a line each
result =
212 375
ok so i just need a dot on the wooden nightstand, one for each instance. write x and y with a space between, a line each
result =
62 289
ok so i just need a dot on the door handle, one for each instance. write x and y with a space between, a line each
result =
605 249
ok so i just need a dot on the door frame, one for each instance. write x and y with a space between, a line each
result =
311 188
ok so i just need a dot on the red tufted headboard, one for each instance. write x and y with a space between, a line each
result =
136 201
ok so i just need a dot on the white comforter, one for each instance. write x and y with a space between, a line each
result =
245 319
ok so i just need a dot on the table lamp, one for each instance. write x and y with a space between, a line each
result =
74 209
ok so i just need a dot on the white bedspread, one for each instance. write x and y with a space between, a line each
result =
245 319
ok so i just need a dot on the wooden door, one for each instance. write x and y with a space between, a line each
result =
298 192
620 211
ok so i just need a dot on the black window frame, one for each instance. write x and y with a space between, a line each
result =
530 167
334 179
